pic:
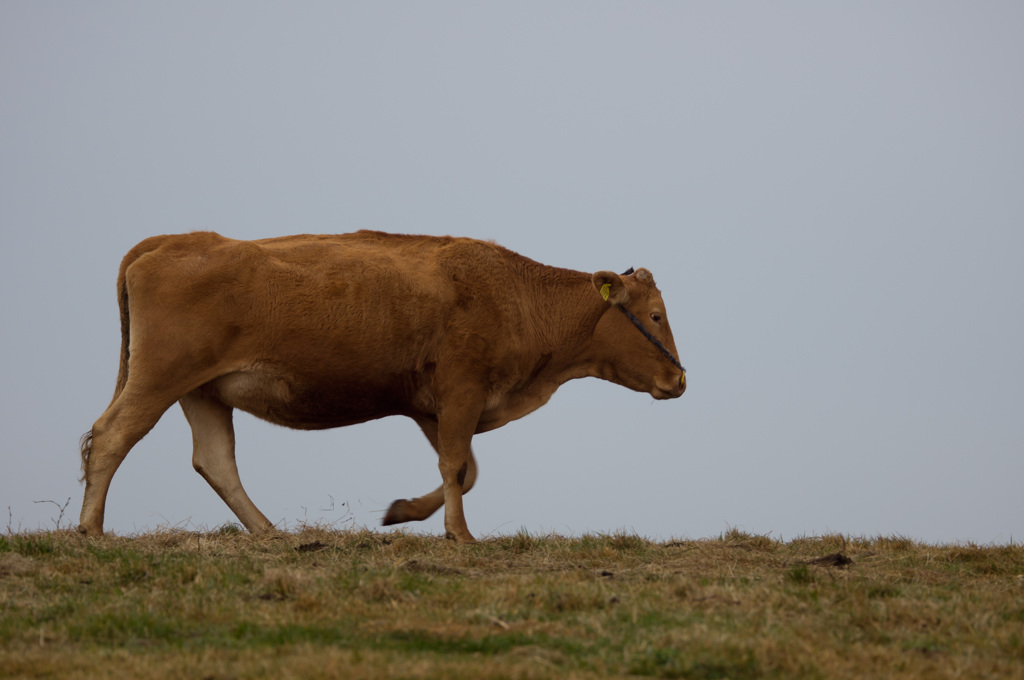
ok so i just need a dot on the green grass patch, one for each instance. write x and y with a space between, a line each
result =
361 604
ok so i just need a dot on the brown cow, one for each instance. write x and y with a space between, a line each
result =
315 332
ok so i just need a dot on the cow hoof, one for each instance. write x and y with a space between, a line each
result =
466 539
397 513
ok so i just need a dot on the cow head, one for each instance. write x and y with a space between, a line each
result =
633 340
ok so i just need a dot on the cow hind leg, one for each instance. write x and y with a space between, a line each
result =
127 420
213 456
418 509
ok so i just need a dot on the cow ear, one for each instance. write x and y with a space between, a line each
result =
611 288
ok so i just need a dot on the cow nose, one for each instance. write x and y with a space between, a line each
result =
682 383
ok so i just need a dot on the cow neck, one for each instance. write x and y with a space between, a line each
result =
572 332
581 323
565 316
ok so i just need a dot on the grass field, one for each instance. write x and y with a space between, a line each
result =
358 604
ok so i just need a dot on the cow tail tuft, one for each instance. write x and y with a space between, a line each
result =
86 444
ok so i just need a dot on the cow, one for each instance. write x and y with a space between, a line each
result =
314 332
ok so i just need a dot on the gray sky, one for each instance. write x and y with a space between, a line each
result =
831 197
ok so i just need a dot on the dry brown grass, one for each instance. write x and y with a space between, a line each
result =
324 603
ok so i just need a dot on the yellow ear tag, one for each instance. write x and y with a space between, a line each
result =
606 290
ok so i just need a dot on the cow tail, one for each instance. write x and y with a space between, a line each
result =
122 303
122 370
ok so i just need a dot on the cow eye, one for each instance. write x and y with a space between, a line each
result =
655 317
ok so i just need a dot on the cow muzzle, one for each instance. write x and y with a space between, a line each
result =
673 391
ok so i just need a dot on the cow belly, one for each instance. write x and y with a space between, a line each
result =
302 403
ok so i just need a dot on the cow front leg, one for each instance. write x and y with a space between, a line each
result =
213 456
456 424
418 509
